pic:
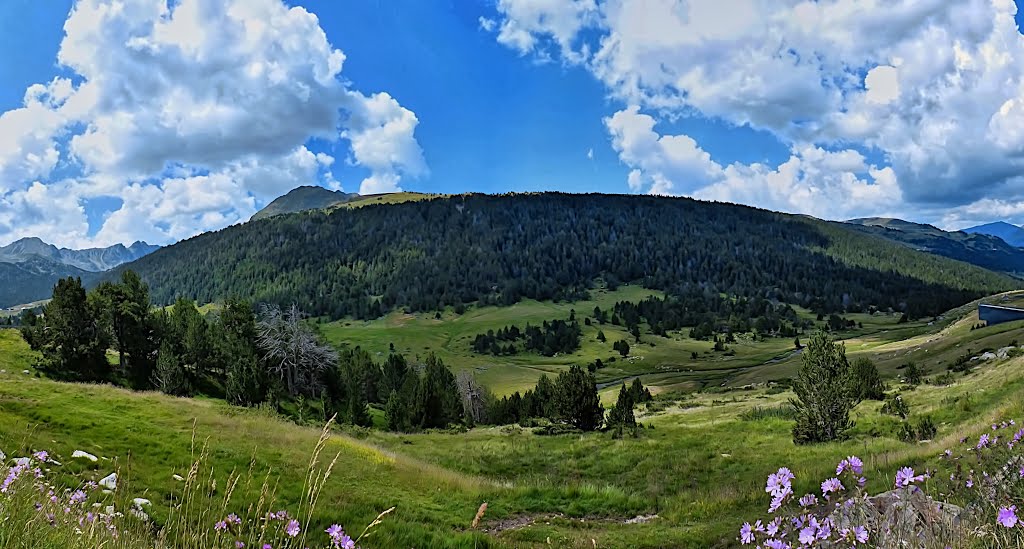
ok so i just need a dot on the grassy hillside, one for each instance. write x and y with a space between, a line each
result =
700 467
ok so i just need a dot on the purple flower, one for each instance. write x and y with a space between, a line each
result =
233 519
779 482
982 441
776 544
41 455
1008 516
970 483
807 535
292 528
808 500
746 535
831 485
239 544
773 527
905 477
220 526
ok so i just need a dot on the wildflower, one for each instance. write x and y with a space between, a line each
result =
292 528
233 519
831 485
220 526
905 477
807 535
78 496
41 455
779 482
746 535
776 544
970 483
773 527
339 538
239 544
982 441
860 534
267 546
1008 516
808 500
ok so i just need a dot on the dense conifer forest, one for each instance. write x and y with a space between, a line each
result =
487 249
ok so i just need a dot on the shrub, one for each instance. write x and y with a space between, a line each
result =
922 429
757 413
895 406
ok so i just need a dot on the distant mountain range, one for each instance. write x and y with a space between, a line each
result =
1011 234
30 267
304 198
981 249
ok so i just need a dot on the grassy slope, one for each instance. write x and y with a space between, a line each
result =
701 468
664 363
387 198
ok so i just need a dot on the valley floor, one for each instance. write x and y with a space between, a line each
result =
693 475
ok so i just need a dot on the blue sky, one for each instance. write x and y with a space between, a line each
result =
499 96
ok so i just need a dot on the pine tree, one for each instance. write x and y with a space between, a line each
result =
822 388
621 416
577 401
866 383
169 375
70 337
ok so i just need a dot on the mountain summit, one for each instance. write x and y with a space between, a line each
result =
303 198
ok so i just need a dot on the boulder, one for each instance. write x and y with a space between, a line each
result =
109 482
84 455
898 516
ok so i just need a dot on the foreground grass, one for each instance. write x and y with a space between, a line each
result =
699 466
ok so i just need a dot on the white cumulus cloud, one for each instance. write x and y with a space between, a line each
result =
195 113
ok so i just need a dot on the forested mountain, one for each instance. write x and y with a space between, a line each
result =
30 267
302 199
499 249
979 249
1011 234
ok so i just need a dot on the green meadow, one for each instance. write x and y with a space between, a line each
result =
695 472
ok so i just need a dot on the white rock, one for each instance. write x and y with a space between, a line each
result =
988 356
139 514
109 482
109 510
25 372
83 455
139 502
3 457
178 478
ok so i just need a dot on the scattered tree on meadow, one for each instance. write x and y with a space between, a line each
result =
577 401
476 398
823 394
638 393
126 311
621 417
866 383
622 346
913 374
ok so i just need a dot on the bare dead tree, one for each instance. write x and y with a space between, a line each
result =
474 396
292 349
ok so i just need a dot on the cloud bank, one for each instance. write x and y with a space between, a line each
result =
932 89
191 116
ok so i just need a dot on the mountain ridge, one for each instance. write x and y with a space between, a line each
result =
1009 233
299 199
29 267
979 249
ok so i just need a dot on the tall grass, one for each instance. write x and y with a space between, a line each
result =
44 505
